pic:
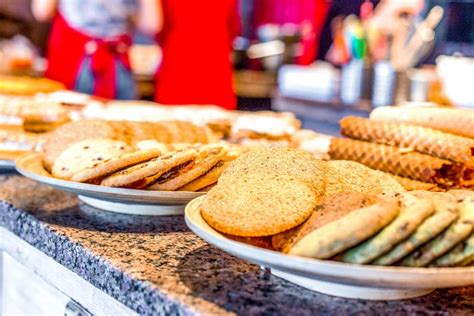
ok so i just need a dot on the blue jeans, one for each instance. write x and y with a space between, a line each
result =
125 83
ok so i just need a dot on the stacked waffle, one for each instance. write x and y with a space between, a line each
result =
426 148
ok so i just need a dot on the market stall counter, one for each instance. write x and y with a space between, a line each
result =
156 265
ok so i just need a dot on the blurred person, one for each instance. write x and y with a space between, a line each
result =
196 40
89 42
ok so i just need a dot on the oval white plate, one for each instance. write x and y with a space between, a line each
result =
7 165
332 277
129 201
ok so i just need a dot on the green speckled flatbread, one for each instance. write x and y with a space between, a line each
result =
461 255
414 210
445 214
460 230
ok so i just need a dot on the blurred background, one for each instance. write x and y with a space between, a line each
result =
320 59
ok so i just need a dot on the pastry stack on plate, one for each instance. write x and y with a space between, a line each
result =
425 147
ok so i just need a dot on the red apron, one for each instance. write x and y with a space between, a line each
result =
67 48
196 42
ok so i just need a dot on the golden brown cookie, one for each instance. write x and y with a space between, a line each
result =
209 178
258 205
343 176
209 156
144 174
68 134
95 174
286 162
85 154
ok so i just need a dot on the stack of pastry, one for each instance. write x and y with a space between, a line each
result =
30 115
27 85
130 133
399 141
115 163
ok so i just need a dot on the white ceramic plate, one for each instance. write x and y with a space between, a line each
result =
129 201
7 165
331 277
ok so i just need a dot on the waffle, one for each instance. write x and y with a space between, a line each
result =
421 139
393 160
454 121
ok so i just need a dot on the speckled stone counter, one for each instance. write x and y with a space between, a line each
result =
156 265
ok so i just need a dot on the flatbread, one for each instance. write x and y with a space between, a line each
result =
107 167
414 210
86 154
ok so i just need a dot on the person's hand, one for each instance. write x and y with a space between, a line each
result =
387 12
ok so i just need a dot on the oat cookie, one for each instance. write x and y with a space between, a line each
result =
258 204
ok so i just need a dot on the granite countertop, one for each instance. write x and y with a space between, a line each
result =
156 265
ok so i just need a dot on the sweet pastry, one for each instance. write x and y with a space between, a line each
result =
330 239
454 121
330 209
414 185
28 85
445 214
208 157
258 204
279 161
144 174
414 210
460 256
128 132
394 160
85 154
457 232
421 139
209 178
96 173
343 176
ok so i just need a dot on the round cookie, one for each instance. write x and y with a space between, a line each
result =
68 134
209 156
257 205
86 154
345 176
145 173
209 178
112 165
286 162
